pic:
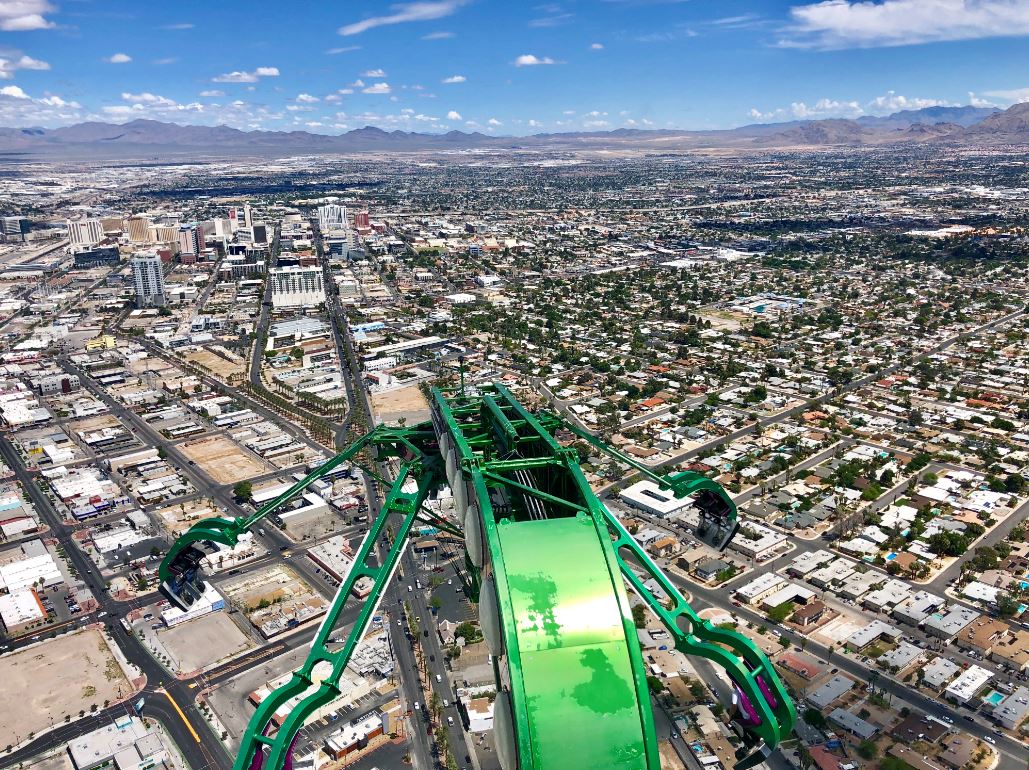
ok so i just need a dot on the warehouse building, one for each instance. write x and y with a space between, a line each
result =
19 610
28 564
125 745
355 735
649 497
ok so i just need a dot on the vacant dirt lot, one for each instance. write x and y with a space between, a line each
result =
203 642
403 402
56 678
221 367
224 460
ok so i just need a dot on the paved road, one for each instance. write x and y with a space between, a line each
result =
994 536
199 756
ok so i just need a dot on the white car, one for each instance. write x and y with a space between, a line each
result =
439 678
989 739
450 720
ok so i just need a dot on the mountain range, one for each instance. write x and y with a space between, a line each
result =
941 125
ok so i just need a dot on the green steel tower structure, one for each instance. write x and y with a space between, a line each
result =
549 563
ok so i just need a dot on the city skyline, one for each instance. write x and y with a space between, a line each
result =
442 65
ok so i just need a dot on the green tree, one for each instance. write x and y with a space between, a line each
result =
815 718
655 684
1007 605
639 616
867 750
243 490
894 763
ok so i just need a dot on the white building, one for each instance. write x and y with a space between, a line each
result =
19 609
85 232
332 217
28 565
756 540
297 287
649 497
125 745
968 684
148 279
761 586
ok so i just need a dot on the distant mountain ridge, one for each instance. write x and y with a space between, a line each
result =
959 125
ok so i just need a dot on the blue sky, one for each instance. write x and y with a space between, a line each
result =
503 67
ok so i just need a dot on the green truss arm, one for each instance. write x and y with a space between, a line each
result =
734 652
406 504
397 441
681 484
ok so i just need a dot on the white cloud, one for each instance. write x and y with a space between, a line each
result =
596 46
976 101
494 122
28 63
894 102
1013 95
345 91
333 98
595 124
57 101
239 76
438 36
9 66
118 58
404 12
212 93
148 98
568 112
531 60
886 104
555 20
865 24
18 108
167 60
306 98
25 15
344 49
377 88
150 105
375 73
825 108
454 79
534 124
183 25
453 115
